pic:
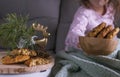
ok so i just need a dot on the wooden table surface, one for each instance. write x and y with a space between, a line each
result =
21 69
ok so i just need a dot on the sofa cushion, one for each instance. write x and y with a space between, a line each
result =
45 12
68 8
12 6
44 8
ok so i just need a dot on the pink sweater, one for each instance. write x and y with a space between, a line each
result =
85 20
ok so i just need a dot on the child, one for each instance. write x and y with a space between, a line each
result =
90 14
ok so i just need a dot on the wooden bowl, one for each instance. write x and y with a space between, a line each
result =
97 46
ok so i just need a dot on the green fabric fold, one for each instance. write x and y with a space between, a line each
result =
75 63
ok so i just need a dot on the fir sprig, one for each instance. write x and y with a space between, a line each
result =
14 29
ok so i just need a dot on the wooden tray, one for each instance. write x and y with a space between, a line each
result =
20 68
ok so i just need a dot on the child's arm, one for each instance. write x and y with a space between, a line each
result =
79 24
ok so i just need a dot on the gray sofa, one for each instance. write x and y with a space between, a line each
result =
56 14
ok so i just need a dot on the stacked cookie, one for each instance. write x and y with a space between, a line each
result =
103 31
25 56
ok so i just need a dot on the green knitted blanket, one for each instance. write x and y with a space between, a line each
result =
76 64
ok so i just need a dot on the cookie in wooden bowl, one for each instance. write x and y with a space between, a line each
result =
100 40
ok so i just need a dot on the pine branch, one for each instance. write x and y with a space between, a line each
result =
14 29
